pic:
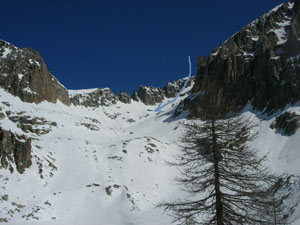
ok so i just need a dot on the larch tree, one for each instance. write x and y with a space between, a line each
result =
226 180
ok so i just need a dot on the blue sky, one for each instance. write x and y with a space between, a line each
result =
123 44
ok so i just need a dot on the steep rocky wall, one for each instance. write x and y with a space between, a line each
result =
259 64
24 73
14 151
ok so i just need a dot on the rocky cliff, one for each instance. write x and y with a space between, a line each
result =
14 151
24 73
257 65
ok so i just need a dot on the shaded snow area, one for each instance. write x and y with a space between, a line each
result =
282 31
107 165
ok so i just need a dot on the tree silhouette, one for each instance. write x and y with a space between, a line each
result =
225 178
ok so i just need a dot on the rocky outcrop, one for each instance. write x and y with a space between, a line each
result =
147 94
36 125
150 95
12 150
287 123
24 73
93 97
172 88
259 64
124 97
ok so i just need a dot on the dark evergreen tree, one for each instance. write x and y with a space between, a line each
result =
226 180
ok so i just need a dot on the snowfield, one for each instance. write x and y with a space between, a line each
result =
107 165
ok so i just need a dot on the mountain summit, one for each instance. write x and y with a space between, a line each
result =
259 64
25 74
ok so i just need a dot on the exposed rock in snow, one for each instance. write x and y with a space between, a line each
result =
14 151
124 97
150 95
173 87
93 97
287 123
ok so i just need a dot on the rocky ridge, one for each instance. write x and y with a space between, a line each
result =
146 94
257 65
24 73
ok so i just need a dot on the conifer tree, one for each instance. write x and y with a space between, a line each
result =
226 180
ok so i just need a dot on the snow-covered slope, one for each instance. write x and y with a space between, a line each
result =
96 166
98 158
106 165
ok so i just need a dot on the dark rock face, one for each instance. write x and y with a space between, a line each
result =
259 64
93 98
24 73
150 95
135 96
172 88
288 123
14 151
124 97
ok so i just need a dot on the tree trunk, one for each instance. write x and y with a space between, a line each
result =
219 207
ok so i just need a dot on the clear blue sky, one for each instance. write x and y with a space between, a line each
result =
123 44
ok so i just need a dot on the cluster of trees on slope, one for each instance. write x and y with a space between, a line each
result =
225 178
